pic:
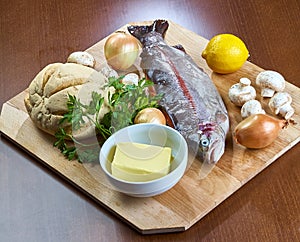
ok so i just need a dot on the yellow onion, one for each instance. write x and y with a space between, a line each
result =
258 131
121 50
150 115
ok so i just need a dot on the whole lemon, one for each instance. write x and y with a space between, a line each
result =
225 53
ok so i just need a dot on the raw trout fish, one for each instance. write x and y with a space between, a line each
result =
189 95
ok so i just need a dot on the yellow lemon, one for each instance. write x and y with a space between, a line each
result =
225 53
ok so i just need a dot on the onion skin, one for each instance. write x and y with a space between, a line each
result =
121 50
258 131
150 115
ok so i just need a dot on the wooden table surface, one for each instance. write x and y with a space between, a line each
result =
38 205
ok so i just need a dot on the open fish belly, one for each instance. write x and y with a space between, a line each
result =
189 95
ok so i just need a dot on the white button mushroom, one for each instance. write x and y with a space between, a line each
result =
270 82
251 107
131 79
83 58
280 104
107 71
241 92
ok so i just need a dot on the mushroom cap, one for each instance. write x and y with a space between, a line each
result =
279 99
251 107
83 58
280 103
271 80
131 78
241 92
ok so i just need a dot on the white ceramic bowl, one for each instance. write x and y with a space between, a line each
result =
154 134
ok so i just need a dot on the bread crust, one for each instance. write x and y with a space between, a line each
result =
46 101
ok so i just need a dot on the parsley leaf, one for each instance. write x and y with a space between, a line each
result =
124 103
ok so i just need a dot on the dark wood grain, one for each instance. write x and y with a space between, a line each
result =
36 205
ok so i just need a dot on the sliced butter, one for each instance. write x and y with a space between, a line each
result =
140 162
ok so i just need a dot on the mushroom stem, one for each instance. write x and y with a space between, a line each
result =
267 92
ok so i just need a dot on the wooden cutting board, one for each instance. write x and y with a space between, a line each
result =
202 187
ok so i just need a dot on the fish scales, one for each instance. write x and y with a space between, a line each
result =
188 93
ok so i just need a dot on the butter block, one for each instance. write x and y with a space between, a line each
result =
140 162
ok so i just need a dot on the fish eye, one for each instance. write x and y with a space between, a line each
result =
204 142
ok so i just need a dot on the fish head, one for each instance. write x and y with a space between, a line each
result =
211 145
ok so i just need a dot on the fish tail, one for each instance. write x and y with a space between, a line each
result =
159 26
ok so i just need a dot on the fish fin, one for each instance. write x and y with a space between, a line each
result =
159 26
179 47
170 118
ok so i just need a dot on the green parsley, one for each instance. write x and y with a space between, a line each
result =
124 103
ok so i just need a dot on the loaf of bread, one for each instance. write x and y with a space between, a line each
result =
46 101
